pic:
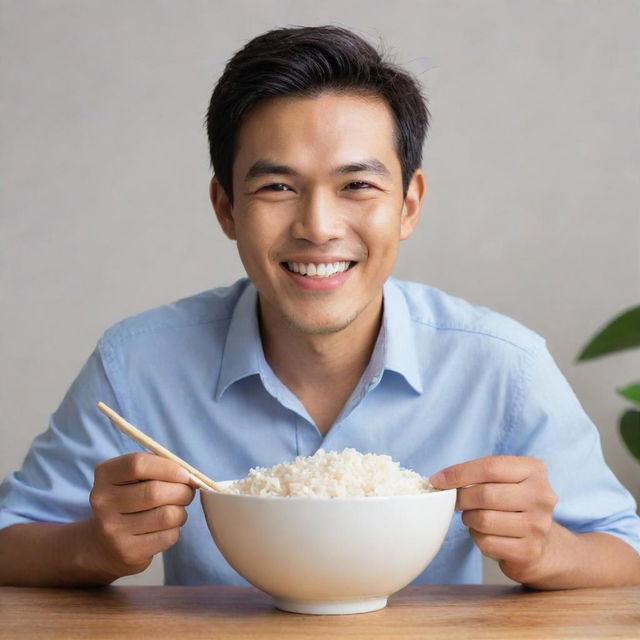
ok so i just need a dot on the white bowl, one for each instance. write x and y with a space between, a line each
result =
329 555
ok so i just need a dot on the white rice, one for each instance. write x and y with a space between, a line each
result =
343 474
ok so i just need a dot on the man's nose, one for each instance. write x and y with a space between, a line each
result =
318 218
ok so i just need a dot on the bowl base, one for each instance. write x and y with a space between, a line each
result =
323 608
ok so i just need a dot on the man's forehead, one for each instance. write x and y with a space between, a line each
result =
345 133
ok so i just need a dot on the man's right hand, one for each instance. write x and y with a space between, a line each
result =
138 503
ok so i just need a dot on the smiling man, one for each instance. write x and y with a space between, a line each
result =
316 145
318 212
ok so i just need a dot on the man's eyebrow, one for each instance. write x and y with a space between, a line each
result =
369 165
265 167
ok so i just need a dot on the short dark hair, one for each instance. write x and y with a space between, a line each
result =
306 62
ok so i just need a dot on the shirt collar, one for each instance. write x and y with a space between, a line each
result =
240 357
400 352
395 348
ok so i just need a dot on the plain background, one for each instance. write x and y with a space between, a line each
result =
532 166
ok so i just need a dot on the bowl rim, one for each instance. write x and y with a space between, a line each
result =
407 496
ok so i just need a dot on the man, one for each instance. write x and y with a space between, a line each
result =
316 147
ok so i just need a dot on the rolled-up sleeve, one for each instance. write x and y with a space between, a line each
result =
549 423
56 477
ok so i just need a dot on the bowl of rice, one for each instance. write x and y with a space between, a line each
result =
332 533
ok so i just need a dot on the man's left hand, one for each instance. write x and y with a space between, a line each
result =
507 503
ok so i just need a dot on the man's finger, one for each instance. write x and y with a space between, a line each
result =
487 469
497 523
140 548
494 496
141 466
142 496
158 519
500 547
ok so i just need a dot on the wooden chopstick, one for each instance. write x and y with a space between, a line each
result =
135 434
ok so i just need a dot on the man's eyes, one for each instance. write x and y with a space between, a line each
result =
360 182
276 186
269 186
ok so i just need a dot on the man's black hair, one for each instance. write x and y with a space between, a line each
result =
307 62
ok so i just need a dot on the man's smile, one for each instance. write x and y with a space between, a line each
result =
319 269
319 276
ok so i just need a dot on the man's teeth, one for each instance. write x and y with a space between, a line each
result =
318 270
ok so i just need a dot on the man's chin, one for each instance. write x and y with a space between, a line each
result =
322 323
318 328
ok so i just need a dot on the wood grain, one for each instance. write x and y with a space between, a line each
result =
434 612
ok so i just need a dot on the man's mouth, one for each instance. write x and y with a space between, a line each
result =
319 270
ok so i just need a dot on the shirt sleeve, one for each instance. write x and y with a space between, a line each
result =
549 423
56 477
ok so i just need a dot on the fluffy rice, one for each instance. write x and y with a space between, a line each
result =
347 473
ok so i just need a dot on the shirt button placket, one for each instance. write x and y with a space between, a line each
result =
307 437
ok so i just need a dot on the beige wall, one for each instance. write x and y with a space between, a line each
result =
532 167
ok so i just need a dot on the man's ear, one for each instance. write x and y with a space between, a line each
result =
416 192
223 208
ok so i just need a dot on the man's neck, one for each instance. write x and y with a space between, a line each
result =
335 361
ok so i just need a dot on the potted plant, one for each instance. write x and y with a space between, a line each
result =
623 332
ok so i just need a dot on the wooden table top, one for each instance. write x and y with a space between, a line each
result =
434 612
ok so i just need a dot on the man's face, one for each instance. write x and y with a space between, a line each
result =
303 209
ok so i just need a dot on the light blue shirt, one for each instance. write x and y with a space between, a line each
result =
447 382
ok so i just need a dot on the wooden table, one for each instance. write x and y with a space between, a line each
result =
469 611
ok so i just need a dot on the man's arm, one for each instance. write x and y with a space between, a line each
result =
585 560
138 502
48 554
507 503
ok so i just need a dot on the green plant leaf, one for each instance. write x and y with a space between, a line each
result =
632 392
623 332
630 431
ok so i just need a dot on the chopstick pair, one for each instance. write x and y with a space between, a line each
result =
203 482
